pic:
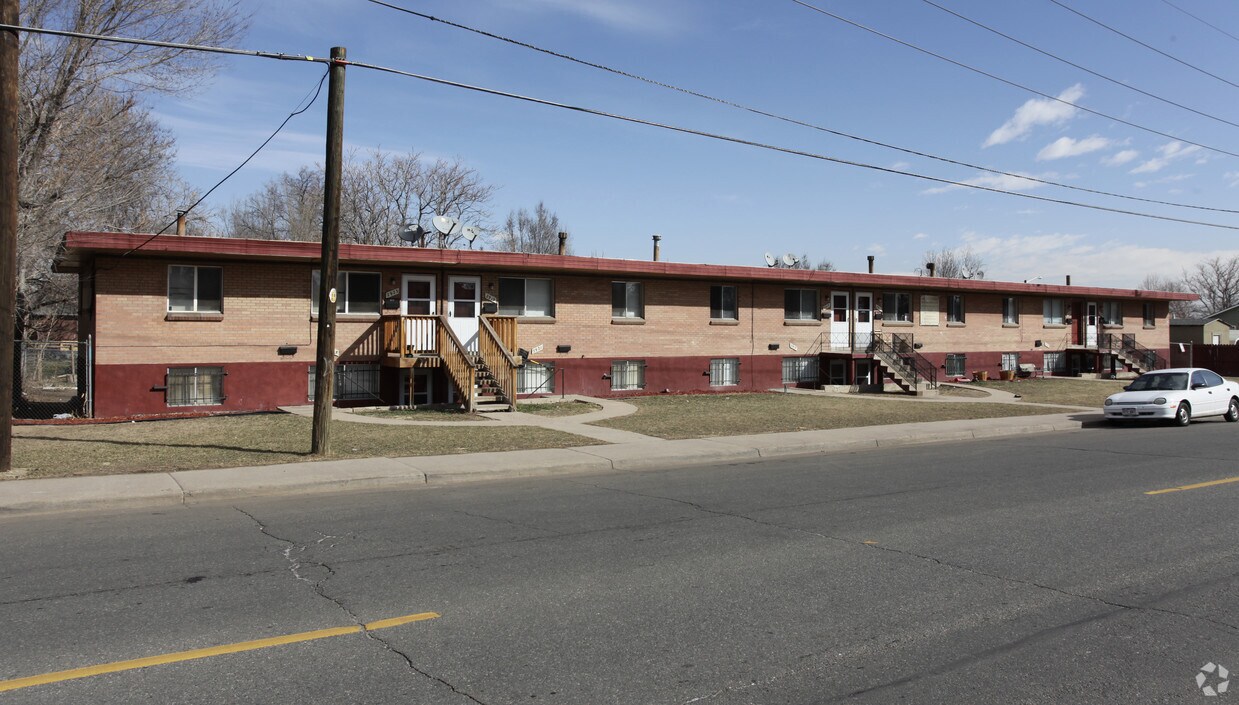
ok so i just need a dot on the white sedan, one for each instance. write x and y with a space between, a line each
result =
1176 394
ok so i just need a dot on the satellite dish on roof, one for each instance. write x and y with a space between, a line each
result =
770 260
444 223
471 233
790 260
413 233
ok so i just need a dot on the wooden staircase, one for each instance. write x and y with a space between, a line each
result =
488 394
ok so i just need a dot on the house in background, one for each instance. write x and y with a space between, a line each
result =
217 324
1220 328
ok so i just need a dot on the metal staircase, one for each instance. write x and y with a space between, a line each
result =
898 359
1133 355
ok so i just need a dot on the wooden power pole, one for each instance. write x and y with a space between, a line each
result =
9 47
325 355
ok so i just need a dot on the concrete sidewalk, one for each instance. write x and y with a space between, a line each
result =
632 452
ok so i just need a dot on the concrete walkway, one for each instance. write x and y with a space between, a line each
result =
624 451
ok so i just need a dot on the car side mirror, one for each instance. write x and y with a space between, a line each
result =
1199 385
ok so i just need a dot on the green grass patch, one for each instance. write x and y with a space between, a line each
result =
261 439
700 416
559 408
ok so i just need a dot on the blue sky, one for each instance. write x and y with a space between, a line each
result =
615 184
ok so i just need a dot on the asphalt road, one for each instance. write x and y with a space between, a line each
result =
1029 570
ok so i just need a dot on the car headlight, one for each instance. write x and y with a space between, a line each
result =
1109 402
1160 400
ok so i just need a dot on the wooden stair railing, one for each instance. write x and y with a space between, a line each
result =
458 361
498 356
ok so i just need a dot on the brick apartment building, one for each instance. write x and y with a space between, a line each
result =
214 324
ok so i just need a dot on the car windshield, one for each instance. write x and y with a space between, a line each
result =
1153 382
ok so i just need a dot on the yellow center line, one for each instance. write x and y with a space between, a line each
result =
207 652
1196 486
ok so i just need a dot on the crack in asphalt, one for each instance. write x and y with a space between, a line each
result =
318 587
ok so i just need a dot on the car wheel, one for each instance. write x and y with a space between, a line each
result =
1183 416
1232 411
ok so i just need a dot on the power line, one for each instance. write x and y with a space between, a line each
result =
793 121
1009 82
774 148
1202 21
639 121
168 45
1089 71
1150 47
296 111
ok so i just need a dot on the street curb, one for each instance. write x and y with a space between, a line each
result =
195 486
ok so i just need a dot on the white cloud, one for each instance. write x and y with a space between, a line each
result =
1038 111
1120 158
1001 182
1169 152
919 236
1064 147
1053 256
1232 178
901 166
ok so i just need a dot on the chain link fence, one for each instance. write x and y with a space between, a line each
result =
52 379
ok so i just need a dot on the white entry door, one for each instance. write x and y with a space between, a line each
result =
464 304
840 308
418 299
863 317
1090 325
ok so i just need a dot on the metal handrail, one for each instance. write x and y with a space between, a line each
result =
900 354
1126 344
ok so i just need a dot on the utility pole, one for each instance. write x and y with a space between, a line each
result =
9 48
325 356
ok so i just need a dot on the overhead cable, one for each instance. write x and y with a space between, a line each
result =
774 148
783 118
1087 70
1150 47
1009 82
1202 21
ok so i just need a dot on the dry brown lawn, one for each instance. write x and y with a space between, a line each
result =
256 439
559 408
1070 392
700 416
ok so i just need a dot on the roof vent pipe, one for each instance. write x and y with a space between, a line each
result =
930 266
180 222
656 247
563 243
871 264
1068 280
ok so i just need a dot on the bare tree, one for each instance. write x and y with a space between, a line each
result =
1178 309
536 232
1216 281
954 264
806 262
380 194
91 156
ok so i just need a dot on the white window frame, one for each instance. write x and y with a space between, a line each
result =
1112 307
188 389
955 308
523 310
1054 312
363 378
627 375
802 298
344 303
891 312
536 378
196 305
633 304
800 369
1011 361
725 372
1010 311
724 314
